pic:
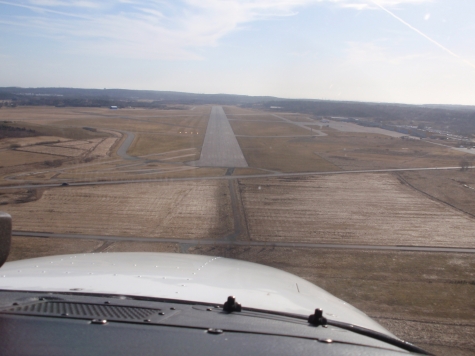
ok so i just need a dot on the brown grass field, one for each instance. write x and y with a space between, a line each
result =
48 114
18 158
53 150
104 147
456 188
146 144
234 110
284 155
266 129
28 141
426 298
297 117
254 118
186 210
81 144
355 151
350 209
38 114
124 124
74 133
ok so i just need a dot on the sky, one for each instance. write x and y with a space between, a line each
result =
403 51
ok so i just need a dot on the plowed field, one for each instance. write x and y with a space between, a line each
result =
103 148
179 210
352 209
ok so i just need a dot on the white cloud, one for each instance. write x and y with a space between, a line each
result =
427 17
367 4
63 3
356 6
156 29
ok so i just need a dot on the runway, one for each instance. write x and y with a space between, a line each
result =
220 146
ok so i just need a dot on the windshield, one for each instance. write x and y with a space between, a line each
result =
332 139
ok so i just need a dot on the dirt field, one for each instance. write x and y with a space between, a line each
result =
352 209
183 210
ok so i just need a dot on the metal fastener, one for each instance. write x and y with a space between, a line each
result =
99 321
214 331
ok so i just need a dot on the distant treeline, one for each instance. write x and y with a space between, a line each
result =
453 118
85 102
12 131
119 97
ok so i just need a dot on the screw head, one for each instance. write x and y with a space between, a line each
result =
99 321
214 331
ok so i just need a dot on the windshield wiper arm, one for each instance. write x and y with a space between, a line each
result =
317 319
